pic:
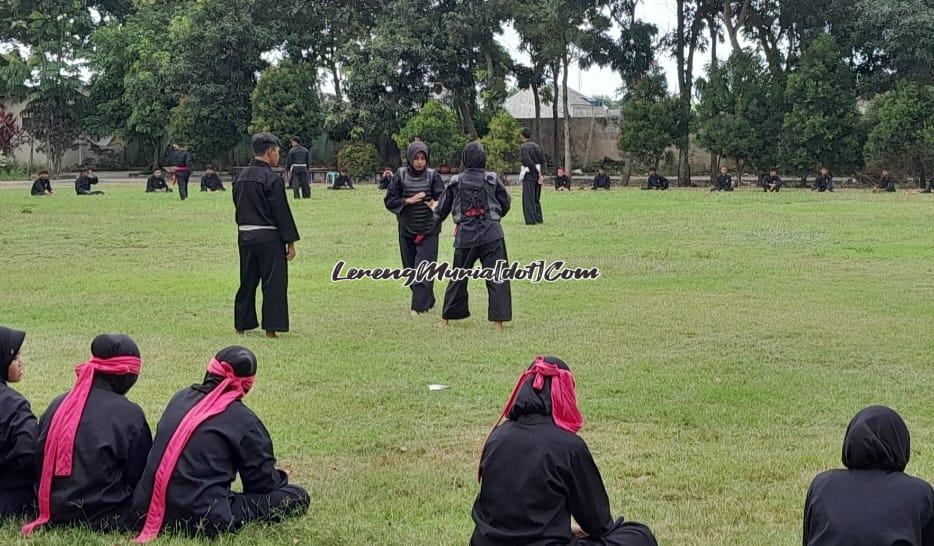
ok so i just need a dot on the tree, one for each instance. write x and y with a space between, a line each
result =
359 158
649 123
9 131
897 124
739 112
502 144
899 36
822 127
438 128
286 102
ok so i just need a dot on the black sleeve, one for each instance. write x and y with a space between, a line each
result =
539 159
257 463
23 432
288 161
445 203
394 200
281 212
587 498
891 185
437 187
140 445
505 201
37 186
189 159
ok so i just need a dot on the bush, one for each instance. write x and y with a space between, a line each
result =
286 103
438 127
502 144
360 159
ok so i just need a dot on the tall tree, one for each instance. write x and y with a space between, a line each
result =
286 102
648 124
897 41
899 123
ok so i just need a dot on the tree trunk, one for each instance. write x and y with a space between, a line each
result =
335 75
554 116
567 117
714 61
740 166
537 127
627 174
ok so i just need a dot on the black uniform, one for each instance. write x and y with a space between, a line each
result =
772 183
83 185
18 433
298 162
384 182
111 447
235 441
535 476
183 165
872 502
724 183
657 182
265 226
601 181
823 182
887 183
418 234
478 200
531 190
41 186
211 182
563 181
157 183
341 181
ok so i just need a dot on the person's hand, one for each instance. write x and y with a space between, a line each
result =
577 531
541 180
432 204
290 251
420 196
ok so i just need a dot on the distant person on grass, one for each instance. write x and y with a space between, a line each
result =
823 182
156 183
656 181
562 180
205 439
297 164
771 182
42 185
536 473
343 179
86 179
18 433
532 176
601 181
871 501
886 183
724 182
211 181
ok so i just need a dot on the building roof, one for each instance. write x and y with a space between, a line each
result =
522 106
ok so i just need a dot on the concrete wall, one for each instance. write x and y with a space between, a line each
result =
605 133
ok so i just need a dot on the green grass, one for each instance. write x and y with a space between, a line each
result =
718 359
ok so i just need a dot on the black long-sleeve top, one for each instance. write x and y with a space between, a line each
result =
259 196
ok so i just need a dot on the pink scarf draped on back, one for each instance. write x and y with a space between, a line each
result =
58 454
230 389
564 410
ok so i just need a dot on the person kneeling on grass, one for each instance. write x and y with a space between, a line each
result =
42 185
771 182
157 182
724 181
205 438
656 181
886 183
536 473
562 180
872 501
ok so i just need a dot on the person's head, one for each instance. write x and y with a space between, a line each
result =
387 172
474 156
157 173
885 172
724 170
107 346
241 360
877 439
44 175
417 156
176 146
560 171
11 362
601 171
296 141
525 134
653 172
824 171
773 172
209 170
266 148
345 172
534 394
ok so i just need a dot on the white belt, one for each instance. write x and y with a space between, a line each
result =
256 228
298 165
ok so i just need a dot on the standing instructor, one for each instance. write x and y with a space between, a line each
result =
266 238
533 176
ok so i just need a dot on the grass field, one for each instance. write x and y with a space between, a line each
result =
718 359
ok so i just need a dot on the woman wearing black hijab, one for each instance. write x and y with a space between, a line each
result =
536 472
18 432
872 502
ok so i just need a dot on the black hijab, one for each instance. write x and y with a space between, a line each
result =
474 156
414 149
110 346
877 439
532 402
241 359
10 343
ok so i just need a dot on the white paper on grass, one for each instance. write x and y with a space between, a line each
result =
437 387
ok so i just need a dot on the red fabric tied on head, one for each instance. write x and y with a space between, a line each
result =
229 390
58 454
564 410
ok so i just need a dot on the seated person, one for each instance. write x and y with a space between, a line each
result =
42 185
157 182
771 182
886 183
93 443
724 181
18 432
872 501
536 473
656 181
83 183
562 180
823 182
601 180
385 179
342 180
211 181
205 438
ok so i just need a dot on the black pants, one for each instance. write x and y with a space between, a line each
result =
423 294
623 534
776 189
182 180
95 192
287 501
500 297
532 201
15 503
300 185
266 262
723 187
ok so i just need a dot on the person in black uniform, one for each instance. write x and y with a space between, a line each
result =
42 185
536 473
601 181
297 164
83 183
211 181
823 182
724 182
266 238
385 179
156 182
656 181
110 446
533 176
562 180
477 200
886 183
18 433
342 180
872 501
411 196
183 165
771 182
231 441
